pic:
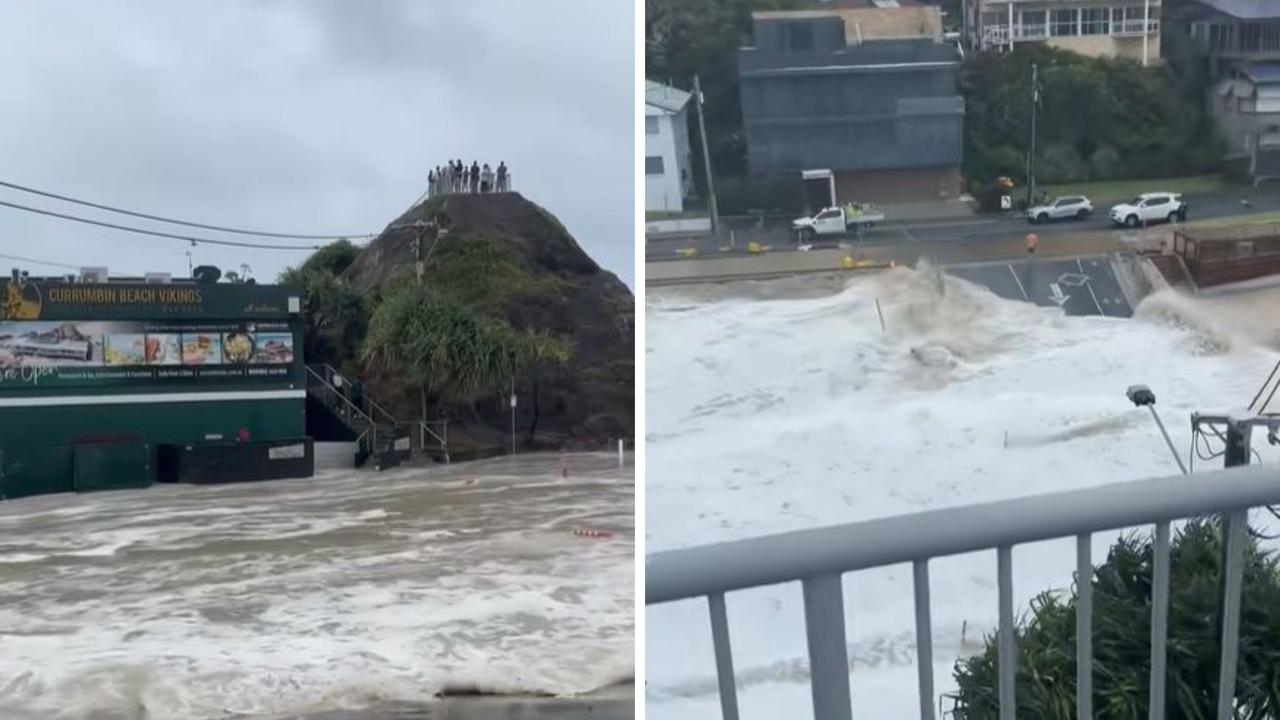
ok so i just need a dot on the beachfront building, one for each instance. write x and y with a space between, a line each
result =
863 110
667 179
122 383
1094 28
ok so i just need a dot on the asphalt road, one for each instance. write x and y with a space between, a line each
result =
980 228
1080 286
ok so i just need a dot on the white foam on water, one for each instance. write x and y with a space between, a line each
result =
342 591
765 416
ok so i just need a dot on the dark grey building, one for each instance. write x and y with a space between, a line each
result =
884 116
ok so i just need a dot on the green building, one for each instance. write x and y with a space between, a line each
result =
125 383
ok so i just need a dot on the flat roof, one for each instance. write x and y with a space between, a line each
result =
1245 9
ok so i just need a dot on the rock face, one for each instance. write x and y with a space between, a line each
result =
583 404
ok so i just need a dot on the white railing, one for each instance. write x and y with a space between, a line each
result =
819 558
999 34
1134 27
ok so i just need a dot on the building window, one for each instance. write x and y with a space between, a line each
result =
799 36
653 165
1063 22
1033 24
650 124
1095 21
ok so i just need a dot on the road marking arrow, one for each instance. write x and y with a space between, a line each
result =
1073 279
1056 294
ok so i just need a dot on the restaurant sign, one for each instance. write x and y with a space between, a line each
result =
42 300
88 353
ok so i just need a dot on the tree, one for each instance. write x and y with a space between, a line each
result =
1121 639
448 351
1140 118
335 314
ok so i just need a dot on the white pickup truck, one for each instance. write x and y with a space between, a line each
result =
836 221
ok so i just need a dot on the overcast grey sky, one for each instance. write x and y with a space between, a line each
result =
308 116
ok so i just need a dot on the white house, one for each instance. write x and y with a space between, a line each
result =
667 177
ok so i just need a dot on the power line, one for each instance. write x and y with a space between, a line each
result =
174 221
156 233
39 262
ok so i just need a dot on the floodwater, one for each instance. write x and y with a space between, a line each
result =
780 406
348 590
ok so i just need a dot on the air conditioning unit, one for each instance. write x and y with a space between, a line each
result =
93 274
161 278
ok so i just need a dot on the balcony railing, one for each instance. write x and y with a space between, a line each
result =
1134 27
999 34
818 558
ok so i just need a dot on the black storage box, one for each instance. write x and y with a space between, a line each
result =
229 462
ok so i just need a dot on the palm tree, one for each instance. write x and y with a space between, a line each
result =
448 351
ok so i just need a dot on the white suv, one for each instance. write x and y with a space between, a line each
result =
1075 207
1150 208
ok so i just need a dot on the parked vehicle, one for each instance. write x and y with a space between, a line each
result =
1071 207
1150 208
837 221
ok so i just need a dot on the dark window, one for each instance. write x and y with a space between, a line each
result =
799 36
1094 21
651 125
1063 22
653 165
1033 22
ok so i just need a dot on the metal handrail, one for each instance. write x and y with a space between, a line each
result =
372 429
425 426
819 557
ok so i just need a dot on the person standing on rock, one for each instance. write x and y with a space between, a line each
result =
431 183
486 179
443 177
502 176
475 176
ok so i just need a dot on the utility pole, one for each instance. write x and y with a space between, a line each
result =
1031 156
706 157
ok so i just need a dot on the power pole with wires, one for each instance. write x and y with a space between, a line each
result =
706 156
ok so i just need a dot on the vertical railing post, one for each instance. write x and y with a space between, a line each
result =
1008 649
1235 524
1159 620
828 654
1084 627
724 657
924 638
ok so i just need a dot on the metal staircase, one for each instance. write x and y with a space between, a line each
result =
376 429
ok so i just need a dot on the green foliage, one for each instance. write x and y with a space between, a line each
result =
1061 163
334 312
1121 117
333 258
486 272
439 344
1121 639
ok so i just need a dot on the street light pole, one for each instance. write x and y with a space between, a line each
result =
706 157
